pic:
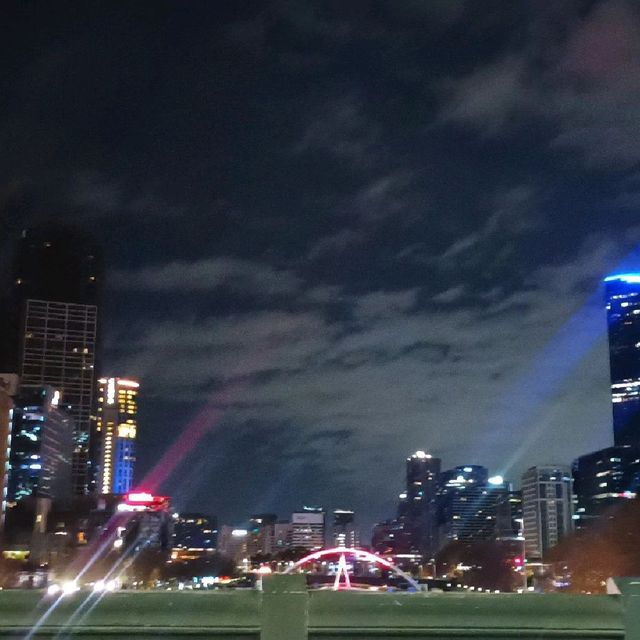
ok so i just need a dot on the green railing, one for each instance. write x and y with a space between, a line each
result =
286 610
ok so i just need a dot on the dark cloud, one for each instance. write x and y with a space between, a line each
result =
375 222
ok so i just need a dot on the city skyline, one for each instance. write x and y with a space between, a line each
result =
328 250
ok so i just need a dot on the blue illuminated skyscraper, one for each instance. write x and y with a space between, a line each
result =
116 427
623 317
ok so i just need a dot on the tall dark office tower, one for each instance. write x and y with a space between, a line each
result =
603 479
471 506
58 272
623 316
39 457
422 482
345 533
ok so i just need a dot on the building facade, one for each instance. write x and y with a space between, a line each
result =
57 276
282 531
420 509
233 543
345 533
116 431
547 507
148 522
623 320
6 419
603 479
308 528
471 506
261 534
390 537
194 532
40 460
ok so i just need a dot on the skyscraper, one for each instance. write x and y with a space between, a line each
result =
471 506
116 426
420 502
56 281
40 453
603 479
344 531
307 528
261 533
547 507
623 319
6 418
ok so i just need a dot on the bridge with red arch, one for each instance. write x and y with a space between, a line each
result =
343 578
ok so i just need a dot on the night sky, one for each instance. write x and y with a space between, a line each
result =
337 232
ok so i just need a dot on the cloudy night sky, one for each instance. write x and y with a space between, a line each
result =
337 232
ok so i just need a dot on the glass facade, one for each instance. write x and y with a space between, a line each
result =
603 479
419 503
57 276
41 447
471 507
623 318
58 349
194 531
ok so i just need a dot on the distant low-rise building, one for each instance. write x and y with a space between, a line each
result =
194 532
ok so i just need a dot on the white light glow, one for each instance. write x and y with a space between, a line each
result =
70 587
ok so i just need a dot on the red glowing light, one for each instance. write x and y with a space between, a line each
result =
142 501
139 497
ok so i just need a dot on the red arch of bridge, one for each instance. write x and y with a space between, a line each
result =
359 554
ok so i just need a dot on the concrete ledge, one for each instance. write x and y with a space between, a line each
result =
285 610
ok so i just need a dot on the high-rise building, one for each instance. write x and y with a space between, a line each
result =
116 426
603 479
421 511
547 507
6 418
345 533
233 543
261 533
40 454
57 276
623 319
282 531
472 506
308 528
194 532
391 537
515 514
